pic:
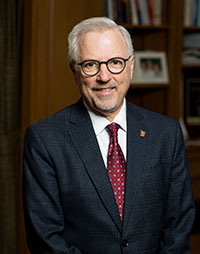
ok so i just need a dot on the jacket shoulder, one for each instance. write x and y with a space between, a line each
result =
53 125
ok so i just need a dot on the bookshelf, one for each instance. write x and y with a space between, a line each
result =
191 68
170 99
191 79
191 98
167 35
159 36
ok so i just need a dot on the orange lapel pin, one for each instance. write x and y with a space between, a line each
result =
142 133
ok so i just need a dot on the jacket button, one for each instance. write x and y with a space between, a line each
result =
124 243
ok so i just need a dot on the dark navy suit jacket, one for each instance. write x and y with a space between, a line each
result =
69 205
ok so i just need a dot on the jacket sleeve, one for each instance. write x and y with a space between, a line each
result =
43 212
180 210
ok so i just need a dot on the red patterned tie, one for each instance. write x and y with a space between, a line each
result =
116 166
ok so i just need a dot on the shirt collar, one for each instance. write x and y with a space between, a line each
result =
99 123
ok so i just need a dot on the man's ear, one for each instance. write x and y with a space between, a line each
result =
72 67
132 65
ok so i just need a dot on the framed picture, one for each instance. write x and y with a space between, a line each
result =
150 68
192 101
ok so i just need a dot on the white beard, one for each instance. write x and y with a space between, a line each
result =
105 104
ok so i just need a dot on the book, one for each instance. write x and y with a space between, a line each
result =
109 9
144 12
191 40
157 12
191 15
198 6
128 12
192 101
133 13
187 13
138 8
119 14
150 4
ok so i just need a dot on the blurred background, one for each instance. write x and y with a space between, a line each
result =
36 81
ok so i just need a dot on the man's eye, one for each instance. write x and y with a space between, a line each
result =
90 65
116 62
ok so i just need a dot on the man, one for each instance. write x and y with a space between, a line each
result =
104 176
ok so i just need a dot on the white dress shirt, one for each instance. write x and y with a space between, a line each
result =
99 124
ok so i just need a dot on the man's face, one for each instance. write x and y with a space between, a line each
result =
104 92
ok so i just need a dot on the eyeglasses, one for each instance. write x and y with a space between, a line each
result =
115 65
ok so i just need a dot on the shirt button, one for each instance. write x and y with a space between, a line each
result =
124 243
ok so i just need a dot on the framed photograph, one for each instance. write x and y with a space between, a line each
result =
150 68
192 101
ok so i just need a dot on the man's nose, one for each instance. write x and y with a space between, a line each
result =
104 74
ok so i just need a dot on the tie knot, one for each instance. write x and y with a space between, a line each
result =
112 129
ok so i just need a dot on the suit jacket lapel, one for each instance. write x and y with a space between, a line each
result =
137 138
85 142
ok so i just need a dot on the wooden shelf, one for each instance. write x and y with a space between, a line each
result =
191 66
191 29
193 146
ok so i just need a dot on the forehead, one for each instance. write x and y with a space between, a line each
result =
102 45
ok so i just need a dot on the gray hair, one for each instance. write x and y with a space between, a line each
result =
99 24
